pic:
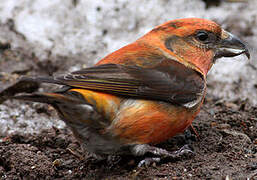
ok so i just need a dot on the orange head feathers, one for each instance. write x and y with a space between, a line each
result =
194 42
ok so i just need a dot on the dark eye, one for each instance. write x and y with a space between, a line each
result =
202 36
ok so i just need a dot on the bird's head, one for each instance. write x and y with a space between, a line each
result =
195 42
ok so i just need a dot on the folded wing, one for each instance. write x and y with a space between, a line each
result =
168 81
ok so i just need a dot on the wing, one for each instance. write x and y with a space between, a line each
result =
168 81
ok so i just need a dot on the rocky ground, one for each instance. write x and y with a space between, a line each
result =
56 37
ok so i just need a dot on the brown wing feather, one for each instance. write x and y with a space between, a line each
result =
168 81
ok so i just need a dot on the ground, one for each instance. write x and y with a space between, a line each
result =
53 37
226 147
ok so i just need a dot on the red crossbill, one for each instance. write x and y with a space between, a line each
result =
143 93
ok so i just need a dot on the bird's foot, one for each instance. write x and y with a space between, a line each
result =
142 149
184 151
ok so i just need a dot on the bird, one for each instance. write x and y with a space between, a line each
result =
144 93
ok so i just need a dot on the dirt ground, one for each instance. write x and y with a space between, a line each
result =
226 147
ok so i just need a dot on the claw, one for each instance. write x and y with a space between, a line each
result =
185 150
147 161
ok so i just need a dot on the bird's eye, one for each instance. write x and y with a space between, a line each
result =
202 36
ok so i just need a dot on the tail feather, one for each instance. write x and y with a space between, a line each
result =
22 86
50 98
30 85
37 97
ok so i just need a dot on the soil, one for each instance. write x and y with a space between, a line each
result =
226 147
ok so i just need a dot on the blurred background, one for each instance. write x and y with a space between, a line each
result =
55 36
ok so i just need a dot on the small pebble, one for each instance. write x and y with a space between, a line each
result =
56 163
